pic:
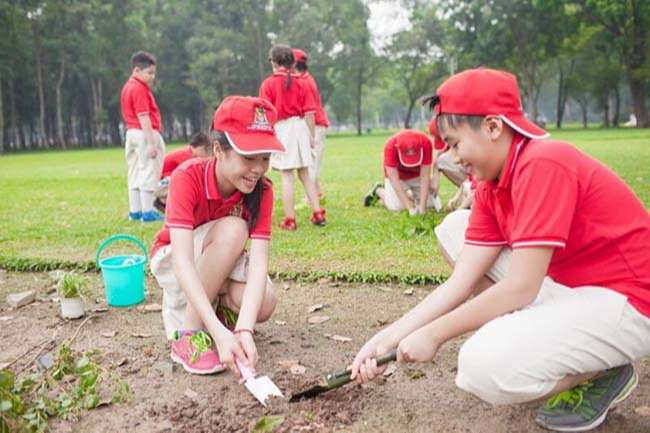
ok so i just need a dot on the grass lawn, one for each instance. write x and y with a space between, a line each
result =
61 205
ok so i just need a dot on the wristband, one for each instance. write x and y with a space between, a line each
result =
239 331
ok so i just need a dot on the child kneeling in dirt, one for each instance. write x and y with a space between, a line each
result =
408 157
199 257
561 277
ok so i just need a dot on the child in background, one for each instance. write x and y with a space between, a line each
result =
144 146
408 157
560 277
320 118
199 257
295 106
200 147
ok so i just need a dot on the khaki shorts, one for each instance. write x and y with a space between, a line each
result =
445 162
174 300
319 148
293 133
392 202
143 172
521 356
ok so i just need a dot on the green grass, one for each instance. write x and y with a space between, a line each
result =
59 206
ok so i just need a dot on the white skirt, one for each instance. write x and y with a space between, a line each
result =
293 133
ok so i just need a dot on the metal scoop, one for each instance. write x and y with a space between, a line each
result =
260 386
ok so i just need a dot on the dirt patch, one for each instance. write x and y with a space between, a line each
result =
417 398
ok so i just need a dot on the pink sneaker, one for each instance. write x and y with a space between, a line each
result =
194 351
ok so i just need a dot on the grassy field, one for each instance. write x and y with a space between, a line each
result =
61 205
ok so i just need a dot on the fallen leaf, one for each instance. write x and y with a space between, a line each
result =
414 373
100 309
147 351
381 322
121 362
5 318
288 363
315 308
280 322
286 286
191 394
298 369
409 292
140 335
642 410
109 334
317 320
390 370
4 365
341 338
323 280
152 308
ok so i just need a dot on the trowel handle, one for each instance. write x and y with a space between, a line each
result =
246 373
341 377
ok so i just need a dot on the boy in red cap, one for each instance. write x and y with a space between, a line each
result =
200 147
144 146
199 259
560 278
320 117
408 157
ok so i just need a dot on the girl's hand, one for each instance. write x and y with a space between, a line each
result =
229 348
152 152
419 346
247 343
364 367
413 211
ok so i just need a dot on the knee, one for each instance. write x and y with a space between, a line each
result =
451 233
268 305
486 370
230 232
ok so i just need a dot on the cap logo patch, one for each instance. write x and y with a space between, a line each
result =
410 152
260 122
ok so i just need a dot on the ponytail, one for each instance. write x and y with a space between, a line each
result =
253 200
288 85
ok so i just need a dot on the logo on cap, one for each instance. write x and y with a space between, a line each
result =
260 122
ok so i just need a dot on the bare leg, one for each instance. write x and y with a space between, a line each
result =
234 293
288 181
222 246
310 188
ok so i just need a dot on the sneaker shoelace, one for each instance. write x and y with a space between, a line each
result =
201 342
573 397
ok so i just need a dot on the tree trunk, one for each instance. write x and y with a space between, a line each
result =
606 114
583 108
617 107
359 90
560 102
260 55
42 140
407 119
14 137
59 109
2 121
638 92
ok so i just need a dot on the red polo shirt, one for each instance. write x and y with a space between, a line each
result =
552 195
391 157
136 98
320 117
297 100
174 159
194 200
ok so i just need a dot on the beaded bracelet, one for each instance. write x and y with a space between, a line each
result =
239 331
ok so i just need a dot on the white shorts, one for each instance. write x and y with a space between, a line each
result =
293 133
392 202
174 300
445 162
521 356
143 172
319 148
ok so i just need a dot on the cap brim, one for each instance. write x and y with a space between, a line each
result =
524 126
410 161
253 143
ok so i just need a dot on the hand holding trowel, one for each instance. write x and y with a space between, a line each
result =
337 378
260 386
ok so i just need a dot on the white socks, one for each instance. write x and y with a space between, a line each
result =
146 197
134 201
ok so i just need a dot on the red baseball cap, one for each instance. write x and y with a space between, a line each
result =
485 91
299 55
438 143
248 123
409 152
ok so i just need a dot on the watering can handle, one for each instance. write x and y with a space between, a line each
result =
114 238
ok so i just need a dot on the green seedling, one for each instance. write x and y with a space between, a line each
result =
73 285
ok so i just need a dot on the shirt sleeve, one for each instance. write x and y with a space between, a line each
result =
427 146
265 91
483 229
140 101
309 102
390 154
262 229
181 200
544 200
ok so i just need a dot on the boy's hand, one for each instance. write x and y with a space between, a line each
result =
248 345
230 348
413 211
419 346
152 152
364 367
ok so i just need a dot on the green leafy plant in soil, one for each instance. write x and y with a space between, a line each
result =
73 285
74 383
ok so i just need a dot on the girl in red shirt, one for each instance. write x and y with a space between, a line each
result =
295 129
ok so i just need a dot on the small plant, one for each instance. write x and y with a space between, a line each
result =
72 285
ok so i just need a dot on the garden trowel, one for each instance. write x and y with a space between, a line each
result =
260 386
337 378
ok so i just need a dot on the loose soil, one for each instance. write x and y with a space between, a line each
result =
417 398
